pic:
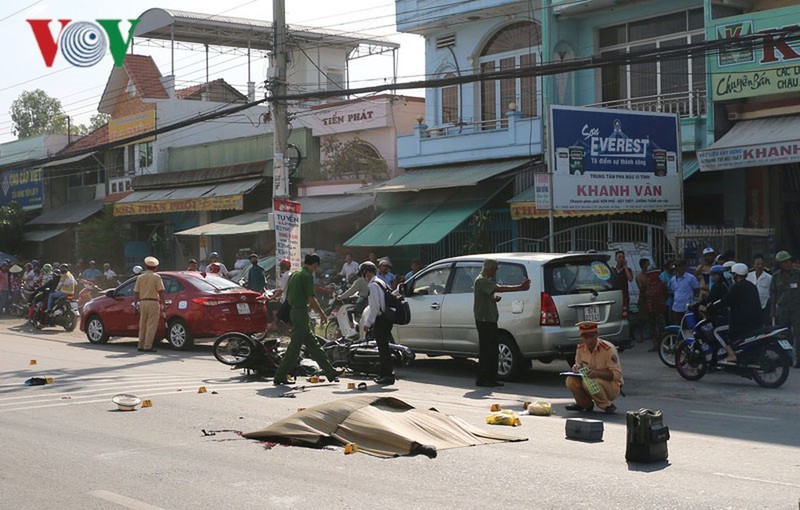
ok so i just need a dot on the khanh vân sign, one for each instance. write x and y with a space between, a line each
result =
616 160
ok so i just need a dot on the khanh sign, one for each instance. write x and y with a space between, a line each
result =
287 231
23 186
614 160
742 157
767 64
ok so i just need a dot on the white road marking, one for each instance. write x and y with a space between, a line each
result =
148 395
760 480
123 387
748 417
125 501
73 379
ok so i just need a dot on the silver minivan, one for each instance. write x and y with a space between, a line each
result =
539 323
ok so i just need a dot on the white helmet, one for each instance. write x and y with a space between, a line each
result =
728 265
137 269
740 269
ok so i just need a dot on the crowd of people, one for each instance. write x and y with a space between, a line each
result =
755 296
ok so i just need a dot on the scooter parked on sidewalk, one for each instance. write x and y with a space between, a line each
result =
764 357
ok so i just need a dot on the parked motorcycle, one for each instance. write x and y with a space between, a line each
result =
764 357
64 314
21 306
361 355
89 291
673 335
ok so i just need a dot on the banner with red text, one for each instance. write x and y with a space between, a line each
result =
287 231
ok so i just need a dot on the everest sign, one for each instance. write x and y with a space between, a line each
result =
82 43
614 159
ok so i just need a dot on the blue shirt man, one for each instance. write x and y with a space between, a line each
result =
683 286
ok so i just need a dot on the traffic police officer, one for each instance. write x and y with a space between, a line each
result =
148 297
602 361
785 297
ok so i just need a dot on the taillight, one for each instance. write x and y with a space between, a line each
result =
209 301
549 311
262 299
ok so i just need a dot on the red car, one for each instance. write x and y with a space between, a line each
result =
197 306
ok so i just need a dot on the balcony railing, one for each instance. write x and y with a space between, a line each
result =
463 127
684 104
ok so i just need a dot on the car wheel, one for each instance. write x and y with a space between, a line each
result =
178 335
95 330
509 359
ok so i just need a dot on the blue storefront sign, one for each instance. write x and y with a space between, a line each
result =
606 159
23 186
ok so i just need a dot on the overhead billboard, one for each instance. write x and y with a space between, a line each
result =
766 62
605 159
24 186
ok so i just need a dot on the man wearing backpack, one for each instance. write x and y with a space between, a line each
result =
377 321
486 316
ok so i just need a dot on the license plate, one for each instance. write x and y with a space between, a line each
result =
243 308
74 306
591 313
785 344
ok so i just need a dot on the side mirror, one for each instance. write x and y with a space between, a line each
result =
403 289
110 293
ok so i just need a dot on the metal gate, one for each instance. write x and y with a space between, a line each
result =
597 236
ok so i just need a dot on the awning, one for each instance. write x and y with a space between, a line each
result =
444 177
247 223
318 208
523 207
421 220
690 167
67 161
38 236
211 197
749 143
68 214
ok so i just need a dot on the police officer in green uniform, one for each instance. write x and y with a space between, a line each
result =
300 295
785 297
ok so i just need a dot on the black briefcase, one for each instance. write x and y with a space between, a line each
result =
647 436
584 429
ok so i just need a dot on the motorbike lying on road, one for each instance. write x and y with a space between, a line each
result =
764 357
21 306
242 351
64 314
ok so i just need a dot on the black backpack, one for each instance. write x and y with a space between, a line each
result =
397 309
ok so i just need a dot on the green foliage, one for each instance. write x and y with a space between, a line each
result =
12 227
36 113
95 122
353 159
102 238
479 240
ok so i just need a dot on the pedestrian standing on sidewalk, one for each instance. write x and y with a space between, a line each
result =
5 285
486 317
785 296
684 287
763 281
148 296
256 280
300 295
623 276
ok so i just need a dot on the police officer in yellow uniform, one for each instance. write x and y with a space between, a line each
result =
602 361
148 297
785 298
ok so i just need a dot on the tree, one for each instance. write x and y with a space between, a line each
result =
12 227
102 238
95 122
479 240
353 159
36 113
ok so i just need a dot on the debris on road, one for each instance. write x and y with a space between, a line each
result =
126 402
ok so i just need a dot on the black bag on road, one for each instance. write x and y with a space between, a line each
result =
647 436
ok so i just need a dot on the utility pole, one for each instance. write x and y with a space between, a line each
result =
277 76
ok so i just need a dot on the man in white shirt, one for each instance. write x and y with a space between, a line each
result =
285 266
376 320
350 268
762 280
214 256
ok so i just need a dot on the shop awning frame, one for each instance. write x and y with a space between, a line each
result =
444 177
211 197
38 236
68 214
753 143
